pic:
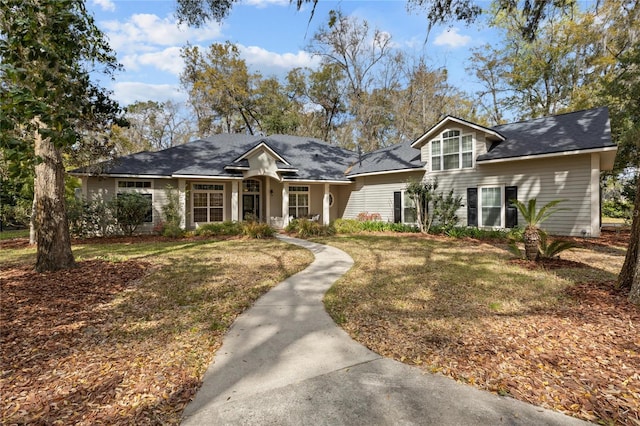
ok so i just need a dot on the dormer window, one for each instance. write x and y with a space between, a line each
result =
452 150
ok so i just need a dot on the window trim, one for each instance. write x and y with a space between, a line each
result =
294 190
222 191
502 207
404 196
440 140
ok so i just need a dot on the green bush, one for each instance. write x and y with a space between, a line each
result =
258 230
16 216
227 228
172 230
347 226
90 218
131 211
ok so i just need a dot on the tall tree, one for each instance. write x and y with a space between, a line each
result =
48 103
220 88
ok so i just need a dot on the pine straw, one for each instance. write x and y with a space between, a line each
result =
559 338
126 342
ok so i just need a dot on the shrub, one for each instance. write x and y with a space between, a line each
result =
172 230
445 207
90 218
347 226
16 216
308 228
258 230
227 228
171 212
131 211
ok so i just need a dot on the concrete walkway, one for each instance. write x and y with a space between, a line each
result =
285 362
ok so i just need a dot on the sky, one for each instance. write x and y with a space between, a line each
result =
271 36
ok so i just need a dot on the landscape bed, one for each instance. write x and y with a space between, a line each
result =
555 334
126 336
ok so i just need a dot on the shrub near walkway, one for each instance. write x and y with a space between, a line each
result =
126 337
562 338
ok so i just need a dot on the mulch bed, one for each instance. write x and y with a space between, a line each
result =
48 325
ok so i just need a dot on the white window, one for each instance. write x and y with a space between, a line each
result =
142 187
207 201
452 151
409 214
491 203
299 201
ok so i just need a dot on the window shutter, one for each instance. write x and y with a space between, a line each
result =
511 211
397 207
472 206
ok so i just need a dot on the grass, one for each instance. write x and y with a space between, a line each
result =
148 347
17 233
462 308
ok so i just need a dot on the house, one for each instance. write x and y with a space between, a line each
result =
279 177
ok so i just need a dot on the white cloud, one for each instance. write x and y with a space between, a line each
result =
168 60
452 39
146 31
106 5
259 58
130 91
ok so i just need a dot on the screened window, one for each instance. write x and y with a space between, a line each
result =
491 207
299 201
207 203
452 151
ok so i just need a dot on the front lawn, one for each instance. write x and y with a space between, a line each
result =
560 338
126 337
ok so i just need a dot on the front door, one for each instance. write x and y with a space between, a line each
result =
251 199
251 207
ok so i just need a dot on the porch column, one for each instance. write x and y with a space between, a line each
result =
285 204
325 205
267 200
234 201
182 197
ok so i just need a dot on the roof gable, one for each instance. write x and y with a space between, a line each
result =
449 120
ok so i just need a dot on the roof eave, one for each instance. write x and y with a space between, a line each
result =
548 155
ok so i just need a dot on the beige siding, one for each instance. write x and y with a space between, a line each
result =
374 194
106 188
545 179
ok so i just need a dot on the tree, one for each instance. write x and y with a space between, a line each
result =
422 193
48 103
533 219
370 66
220 88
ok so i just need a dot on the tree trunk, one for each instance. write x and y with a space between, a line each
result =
52 230
626 277
634 294
531 239
32 219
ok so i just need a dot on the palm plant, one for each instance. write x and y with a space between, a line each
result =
533 219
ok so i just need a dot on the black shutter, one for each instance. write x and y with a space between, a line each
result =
511 212
397 207
472 206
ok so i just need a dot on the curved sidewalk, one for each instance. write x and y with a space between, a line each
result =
285 362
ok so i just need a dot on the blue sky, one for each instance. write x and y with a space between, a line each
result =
271 35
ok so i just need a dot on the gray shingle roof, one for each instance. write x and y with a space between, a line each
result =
313 159
395 157
574 131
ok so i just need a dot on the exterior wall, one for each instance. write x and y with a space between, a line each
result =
544 179
98 188
374 194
